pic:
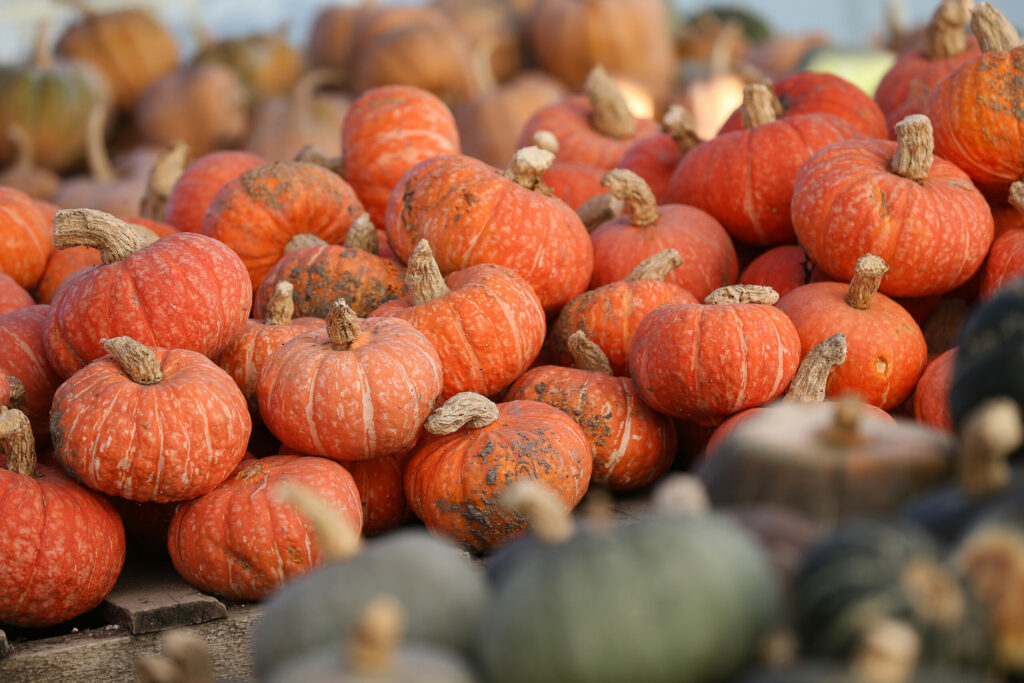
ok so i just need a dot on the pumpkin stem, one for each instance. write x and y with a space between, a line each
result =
544 511
17 441
656 266
17 393
115 238
867 278
185 657
311 155
989 434
547 141
933 593
993 30
281 307
96 156
481 64
945 35
635 192
611 115
1016 198
845 427
462 409
342 325
587 355
811 379
915 148
680 124
305 89
137 360
680 493
527 166
376 636
302 240
599 209
423 276
362 234
743 294
42 57
887 653
760 105
24 150
338 539
165 173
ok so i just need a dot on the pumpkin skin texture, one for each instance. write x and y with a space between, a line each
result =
452 481
24 238
487 328
561 615
444 596
783 268
169 440
257 213
184 291
24 357
931 398
387 131
653 158
538 237
381 386
201 180
12 295
216 546
62 545
1004 264
574 183
703 362
846 202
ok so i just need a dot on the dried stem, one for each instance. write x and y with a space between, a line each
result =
888 653
611 115
423 277
114 238
587 355
867 278
990 433
17 392
915 148
1016 198
994 31
945 36
338 539
527 166
42 57
17 441
681 493
376 636
760 105
96 155
342 325
680 124
635 192
599 209
656 267
845 427
463 409
24 150
165 173
281 307
547 141
811 379
302 240
309 154
362 234
137 360
543 510
743 294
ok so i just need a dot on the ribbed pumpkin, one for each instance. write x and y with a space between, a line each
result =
783 268
654 158
647 228
918 212
485 322
184 291
12 295
150 424
610 314
371 384
249 349
471 213
1005 260
974 109
744 178
24 358
260 211
62 545
475 449
248 556
24 238
633 445
201 180
573 183
887 351
946 47
267 64
322 273
130 47
931 397
703 362
596 129
387 131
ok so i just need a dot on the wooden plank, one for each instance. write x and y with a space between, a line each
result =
152 597
110 654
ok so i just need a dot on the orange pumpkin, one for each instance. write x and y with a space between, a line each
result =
24 358
1005 259
783 268
931 398
202 179
12 295
24 238
655 157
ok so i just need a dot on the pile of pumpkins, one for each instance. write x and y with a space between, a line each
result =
259 362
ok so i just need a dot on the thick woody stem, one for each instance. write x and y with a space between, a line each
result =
24 150
423 277
542 509
993 30
845 427
528 165
306 87
635 192
96 156
311 155
137 360
302 240
945 36
165 173
17 442
599 209
546 140
342 325
915 148
888 653
17 392
42 58
656 266
611 114
681 493
362 234
1016 198
281 307
463 409
989 434
811 377
867 278
338 539
760 105
743 294
680 124
376 637
587 355
114 238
